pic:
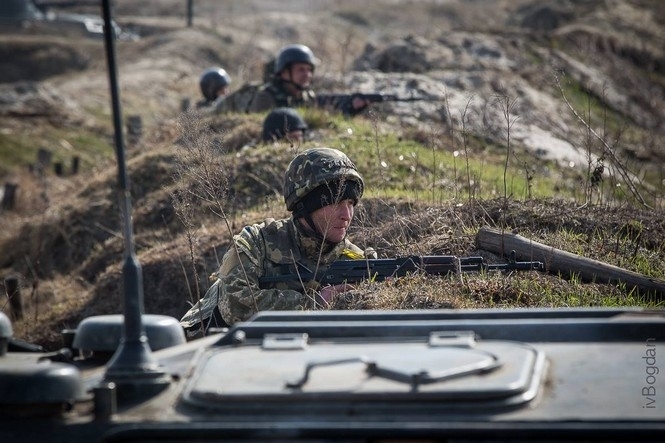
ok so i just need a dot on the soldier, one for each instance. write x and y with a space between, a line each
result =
321 189
291 84
214 83
284 123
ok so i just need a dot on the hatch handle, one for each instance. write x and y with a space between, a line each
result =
310 366
485 365
488 364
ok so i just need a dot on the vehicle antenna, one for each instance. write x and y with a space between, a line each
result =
132 368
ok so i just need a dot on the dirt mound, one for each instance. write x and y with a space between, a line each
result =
464 56
37 58
83 241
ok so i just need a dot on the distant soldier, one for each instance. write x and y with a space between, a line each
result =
289 86
321 189
214 83
292 81
284 123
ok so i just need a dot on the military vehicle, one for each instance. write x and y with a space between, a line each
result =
356 376
29 17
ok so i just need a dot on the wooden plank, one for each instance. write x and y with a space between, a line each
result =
566 264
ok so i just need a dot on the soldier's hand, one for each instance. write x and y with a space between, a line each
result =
329 292
358 103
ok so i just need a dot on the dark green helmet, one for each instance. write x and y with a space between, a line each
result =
280 121
212 80
315 167
294 54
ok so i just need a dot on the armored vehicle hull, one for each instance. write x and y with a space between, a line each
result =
494 375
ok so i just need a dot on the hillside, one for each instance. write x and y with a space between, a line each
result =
541 117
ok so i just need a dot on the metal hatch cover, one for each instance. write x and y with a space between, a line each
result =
450 368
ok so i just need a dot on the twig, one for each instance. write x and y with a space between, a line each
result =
607 149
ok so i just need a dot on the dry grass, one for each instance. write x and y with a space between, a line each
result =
64 241
191 192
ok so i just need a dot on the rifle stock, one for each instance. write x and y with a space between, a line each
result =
354 271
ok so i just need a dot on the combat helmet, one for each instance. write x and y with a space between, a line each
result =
294 54
316 169
211 80
280 121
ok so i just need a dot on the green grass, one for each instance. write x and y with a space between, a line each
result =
401 166
414 168
20 150
16 150
592 108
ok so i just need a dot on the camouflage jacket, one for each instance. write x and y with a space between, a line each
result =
237 101
253 97
274 247
274 95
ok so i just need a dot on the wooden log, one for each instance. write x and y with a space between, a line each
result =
566 264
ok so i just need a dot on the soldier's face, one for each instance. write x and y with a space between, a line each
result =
301 74
332 221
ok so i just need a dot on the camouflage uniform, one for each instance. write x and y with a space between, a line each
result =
238 101
260 98
274 95
275 247
279 247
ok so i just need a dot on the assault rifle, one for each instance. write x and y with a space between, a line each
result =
353 271
372 97
343 102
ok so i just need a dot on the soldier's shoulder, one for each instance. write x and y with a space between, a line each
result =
258 230
250 232
238 100
271 223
